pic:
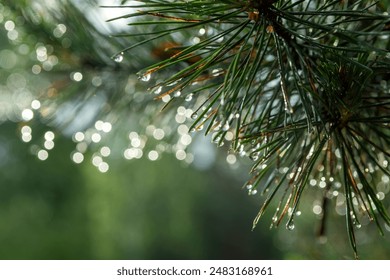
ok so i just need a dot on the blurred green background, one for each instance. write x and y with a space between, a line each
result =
53 208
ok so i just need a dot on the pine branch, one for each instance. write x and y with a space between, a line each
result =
298 83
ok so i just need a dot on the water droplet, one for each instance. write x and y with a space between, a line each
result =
220 144
290 225
217 139
355 221
194 116
174 82
252 192
254 156
119 57
358 225
217 72
249 186
226 126
158 90
166 98
217 127
146 77
189 97
177 93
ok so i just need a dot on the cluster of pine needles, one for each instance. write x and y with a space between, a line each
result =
302 85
